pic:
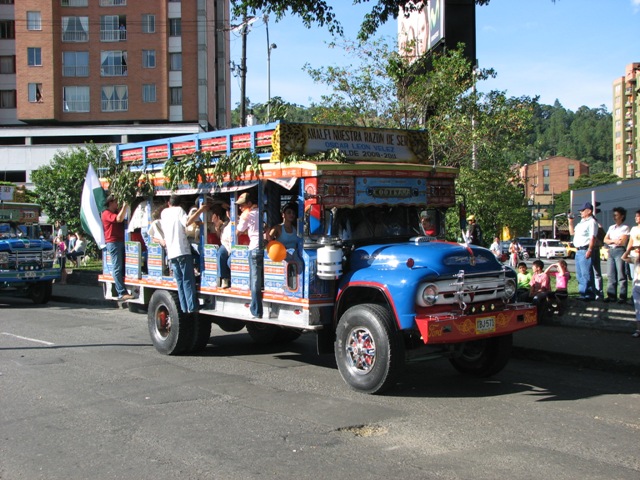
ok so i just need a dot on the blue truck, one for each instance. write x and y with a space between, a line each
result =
26 260
375 285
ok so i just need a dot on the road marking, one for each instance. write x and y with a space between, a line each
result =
27 338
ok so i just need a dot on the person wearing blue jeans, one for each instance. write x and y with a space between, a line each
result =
584 238
616 241
249 224
174 223
113 226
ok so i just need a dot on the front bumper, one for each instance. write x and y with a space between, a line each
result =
450 327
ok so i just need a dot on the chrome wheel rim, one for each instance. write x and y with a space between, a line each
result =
361 351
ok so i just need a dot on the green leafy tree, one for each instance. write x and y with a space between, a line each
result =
58 185
320 12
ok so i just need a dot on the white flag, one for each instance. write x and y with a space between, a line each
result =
92 206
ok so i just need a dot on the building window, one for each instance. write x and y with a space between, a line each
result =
6 2
148 23
34 56
7 64
175 27
34 21
115 98
75 3
113 63
112 3
572 172
75 64
35 92
7 99
75 29
148 59
545 187
175 96
175 62
149 93
7 29
75 99
113 28
545 172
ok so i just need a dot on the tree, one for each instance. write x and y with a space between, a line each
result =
387 91
59 184
321 13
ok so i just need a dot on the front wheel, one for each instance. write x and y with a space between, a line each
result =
369 351
484 358
171 330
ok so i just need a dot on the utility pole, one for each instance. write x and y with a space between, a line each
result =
243 73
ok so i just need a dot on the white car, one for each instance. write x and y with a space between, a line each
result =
551 249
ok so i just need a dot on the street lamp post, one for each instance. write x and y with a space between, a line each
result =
270 46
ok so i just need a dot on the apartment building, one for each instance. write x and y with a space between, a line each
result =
626 115
114 70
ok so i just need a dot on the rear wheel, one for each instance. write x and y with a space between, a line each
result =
201 332
484 358
369 352
172 331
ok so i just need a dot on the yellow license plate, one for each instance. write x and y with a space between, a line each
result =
485 325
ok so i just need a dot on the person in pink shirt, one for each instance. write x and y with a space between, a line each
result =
540 284
561 272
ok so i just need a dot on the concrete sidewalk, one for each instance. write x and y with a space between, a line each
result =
594 335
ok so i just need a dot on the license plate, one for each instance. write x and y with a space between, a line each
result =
27 275
485 325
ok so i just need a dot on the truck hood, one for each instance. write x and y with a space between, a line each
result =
21 244
422 257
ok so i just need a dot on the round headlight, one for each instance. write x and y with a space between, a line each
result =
430 295
509 288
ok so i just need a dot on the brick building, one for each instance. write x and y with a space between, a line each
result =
139 69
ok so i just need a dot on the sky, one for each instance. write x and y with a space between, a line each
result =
570 50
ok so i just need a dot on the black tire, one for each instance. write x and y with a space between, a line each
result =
172 332
201 332
263 333
230 325
40 292
287 335
484 358
136 308
369 351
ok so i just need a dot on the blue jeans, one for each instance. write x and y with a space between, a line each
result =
224 271
186 280
585 275
256 270
617 272
116 250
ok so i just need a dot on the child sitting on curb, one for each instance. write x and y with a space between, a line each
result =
524 282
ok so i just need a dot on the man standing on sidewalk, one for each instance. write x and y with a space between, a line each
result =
584 239
616 241
113 225
174 223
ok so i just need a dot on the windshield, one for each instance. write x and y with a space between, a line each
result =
555 243
373 224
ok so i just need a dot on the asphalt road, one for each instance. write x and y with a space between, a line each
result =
83 394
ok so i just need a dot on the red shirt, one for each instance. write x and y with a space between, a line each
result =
113 230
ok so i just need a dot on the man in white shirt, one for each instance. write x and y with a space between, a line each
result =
249 224
616 241
174 223
584 238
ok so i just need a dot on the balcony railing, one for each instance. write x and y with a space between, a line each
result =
75 71
113 70
73 36
115 105
113 35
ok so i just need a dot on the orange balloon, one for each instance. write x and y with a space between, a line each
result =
276 251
